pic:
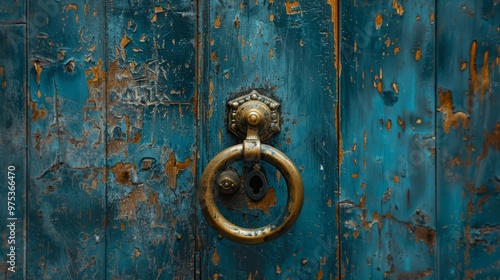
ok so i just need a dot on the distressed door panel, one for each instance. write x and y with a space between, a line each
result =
13 148
285 50
106 102
67 184
468 130
151 139
387 204
13 11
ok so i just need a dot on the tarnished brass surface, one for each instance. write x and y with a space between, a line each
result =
228 181
254 110
252 117
251 235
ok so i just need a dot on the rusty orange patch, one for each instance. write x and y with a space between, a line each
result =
216 257
292 8
450 119
123 172
398 7
37 114
490 140
378 21
269 200
217 22
130 204
173 167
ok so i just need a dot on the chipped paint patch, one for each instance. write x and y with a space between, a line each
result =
131 203
37 114
172 168
292 8
217 22
398 7
269 200
271 54
479 83
38 70
418 54
123 173
123 43
379 19
450 119
215 257
491 140
334 5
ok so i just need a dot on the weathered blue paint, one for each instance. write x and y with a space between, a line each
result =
468 138
66 131
387 203
397 139
13 148
13 11
286 51
151 139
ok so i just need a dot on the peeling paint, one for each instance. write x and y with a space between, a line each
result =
378 21
398 7
215 257
269 200
491 140
217 22
131 203
123 173
450 119
292 8
418 54
123 43
37 114
172 168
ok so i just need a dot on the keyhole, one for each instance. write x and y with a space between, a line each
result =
256 184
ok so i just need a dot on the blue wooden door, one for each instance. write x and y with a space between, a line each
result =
111 111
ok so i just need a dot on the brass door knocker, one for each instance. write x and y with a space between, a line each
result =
252 117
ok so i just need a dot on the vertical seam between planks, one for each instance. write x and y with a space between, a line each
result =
105 46
436 140
197 133
338 64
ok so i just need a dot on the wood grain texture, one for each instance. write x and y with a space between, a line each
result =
468 129
387 203
13 147
151 139
286 51
67 183
393 122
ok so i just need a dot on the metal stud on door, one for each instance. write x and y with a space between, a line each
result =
252 117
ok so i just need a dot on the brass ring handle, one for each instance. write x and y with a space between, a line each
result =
251 235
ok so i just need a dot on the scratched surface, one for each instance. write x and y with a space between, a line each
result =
151 139
113 136
387 203
13 11
66 116
13 143
287 51
468 143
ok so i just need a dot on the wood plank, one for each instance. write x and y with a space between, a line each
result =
387 204
67 183
468 129
13 150
285 49
151 139
13 11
